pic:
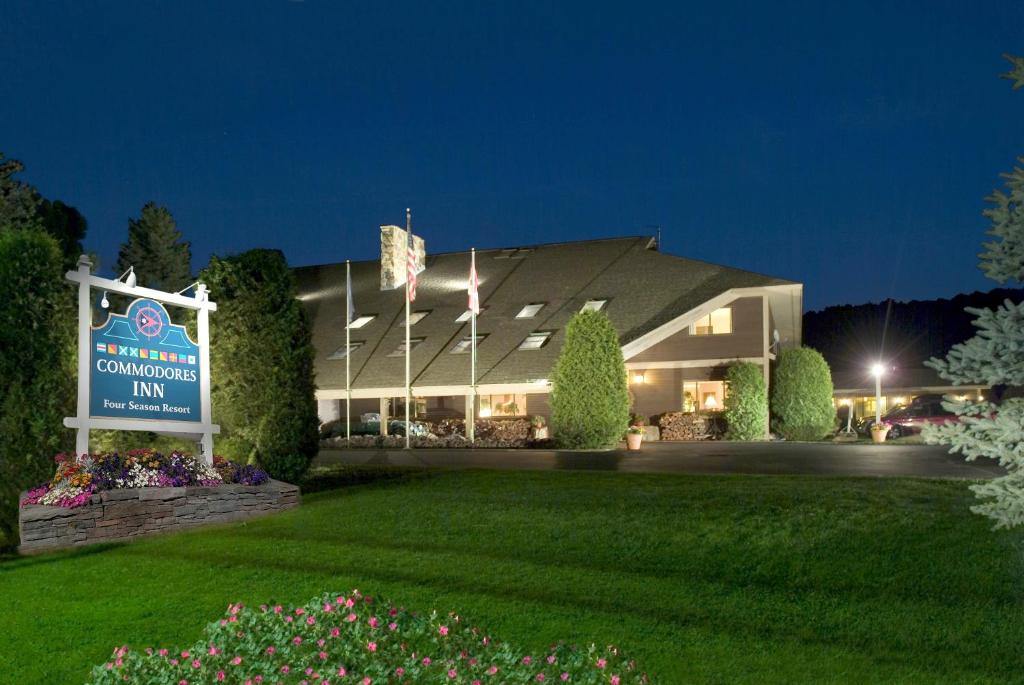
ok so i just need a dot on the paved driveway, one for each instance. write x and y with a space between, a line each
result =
819 459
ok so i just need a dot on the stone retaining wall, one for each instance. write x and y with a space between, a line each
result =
114 515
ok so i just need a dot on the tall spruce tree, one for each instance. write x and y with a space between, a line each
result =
162 260
995 356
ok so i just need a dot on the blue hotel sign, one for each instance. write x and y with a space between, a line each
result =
144 367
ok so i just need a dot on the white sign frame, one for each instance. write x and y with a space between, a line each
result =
203 430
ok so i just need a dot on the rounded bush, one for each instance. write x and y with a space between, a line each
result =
589 394
746 402
802 395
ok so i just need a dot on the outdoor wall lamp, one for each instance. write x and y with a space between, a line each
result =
638 378
105 303
131 280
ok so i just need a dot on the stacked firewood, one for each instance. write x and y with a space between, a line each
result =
679 425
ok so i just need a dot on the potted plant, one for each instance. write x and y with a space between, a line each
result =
539 427
635 433
878 432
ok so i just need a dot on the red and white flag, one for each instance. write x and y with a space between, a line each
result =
410 264
474 284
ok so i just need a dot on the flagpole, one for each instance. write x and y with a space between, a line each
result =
408 352
471 424
348 352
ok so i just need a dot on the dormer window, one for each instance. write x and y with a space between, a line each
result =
400 350
344 351
535 340
361 321
530 310
593 305
464 345
414 318
465 316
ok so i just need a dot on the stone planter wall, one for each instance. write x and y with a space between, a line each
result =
115 515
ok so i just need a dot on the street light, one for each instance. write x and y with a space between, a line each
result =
877 370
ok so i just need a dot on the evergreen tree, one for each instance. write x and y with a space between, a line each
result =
589 394
162 260
37 367
66 225
994 356
802 395
746 402
18 200
261 364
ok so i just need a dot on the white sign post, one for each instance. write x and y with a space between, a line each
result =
203 430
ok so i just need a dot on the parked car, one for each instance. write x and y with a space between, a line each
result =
911 418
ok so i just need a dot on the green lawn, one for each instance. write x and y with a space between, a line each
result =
730 579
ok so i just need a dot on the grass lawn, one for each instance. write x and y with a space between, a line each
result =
733 579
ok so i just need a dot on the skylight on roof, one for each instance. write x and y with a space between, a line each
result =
464 345
414 317
530 310
343 352
361 321
464 316
400 350
593 305
535 340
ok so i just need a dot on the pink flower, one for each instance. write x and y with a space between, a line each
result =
426 661
162 652
527 660
564 676
310 621
477 682
601 663
392 626
184 654
213 651
367 681
349 603
182 682
237 660
196 663
300 611
285 668
492 670
321 642
551 658
399 671
328 608
351 617
372 646
297 640
221 675
615 680
287 619
278 609
452 673
271 649
443 630
335 632
341 671
323 656
540 677
374 622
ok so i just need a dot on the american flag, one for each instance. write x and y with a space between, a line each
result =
410 263
474 285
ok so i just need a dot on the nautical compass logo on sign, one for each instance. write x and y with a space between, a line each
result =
144 366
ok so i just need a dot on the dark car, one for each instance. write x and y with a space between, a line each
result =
911 418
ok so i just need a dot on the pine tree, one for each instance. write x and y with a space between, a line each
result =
162 260
18 200
995 356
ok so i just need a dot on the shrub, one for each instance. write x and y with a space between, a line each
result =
355 639
802 395
746 402
589 395
261 364
37 365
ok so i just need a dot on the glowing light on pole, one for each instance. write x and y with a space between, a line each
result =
877 370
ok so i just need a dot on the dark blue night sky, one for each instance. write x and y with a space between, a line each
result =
846 147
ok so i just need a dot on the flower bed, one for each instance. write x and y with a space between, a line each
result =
76 480
354 639
448 433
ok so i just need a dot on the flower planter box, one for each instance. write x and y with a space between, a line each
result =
114 515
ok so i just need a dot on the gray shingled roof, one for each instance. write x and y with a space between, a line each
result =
644 288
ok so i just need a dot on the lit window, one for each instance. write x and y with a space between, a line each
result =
464 345
593 305
530 310
400 350
414 318
502 405
464 316
535 341
342 351
361 321
703 396
718 322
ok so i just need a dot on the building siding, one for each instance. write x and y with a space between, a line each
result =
746 339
